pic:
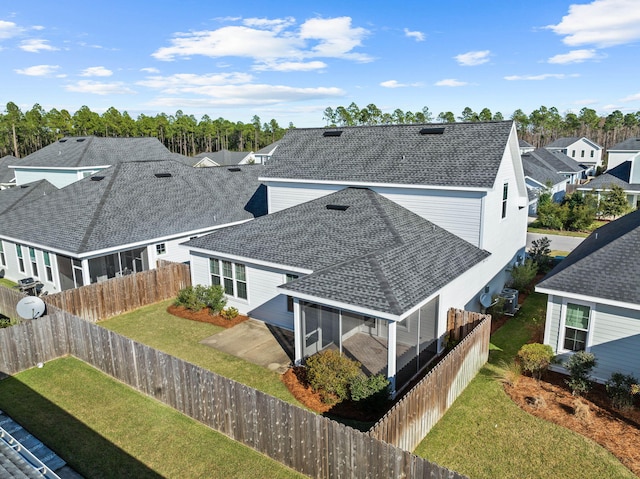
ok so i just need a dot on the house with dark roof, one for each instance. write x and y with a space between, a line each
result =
626 175
7 175
222 158
263 155
540 178
586 152
20 196
525 146
376 232
557 162
627 150
594 299
123 220
73 158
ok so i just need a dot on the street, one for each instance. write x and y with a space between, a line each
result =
558 243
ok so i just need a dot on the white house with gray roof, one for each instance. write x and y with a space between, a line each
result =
72 158
586 152
376 230
627 150
123 220
594 299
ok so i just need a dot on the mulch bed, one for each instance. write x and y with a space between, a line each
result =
591 416
204 316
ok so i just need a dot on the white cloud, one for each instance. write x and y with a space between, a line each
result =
37 28
150 70
418 36
603 23
574 56
450 82
473 58
96 72
634 97
98 88
271 42
38 70
36 45
290 66
396 84
9 30
544 76
182 81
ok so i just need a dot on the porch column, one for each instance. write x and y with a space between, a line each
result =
298 332
391 356
86 275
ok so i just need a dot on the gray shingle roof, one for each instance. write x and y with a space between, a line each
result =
618 176
268 149
540 172
554 160
13 466
464 155
524 144
375 254
605 265
630 144
19 196
567 141
74 152
130 204
7 174
225 157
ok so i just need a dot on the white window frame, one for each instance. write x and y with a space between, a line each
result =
161 249
563 316
3 259
33 259
217 276
505 199
20 256
46 256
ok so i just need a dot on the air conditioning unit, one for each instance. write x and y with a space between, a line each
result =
510 297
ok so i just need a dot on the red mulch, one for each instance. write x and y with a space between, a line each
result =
204 316
550 399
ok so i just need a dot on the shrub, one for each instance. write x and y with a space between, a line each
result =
620 390
198 297
331 372
580 365
535 358
523 274
372 391
510 372
540 254
229 313
6 322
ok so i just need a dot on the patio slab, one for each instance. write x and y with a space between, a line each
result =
253 341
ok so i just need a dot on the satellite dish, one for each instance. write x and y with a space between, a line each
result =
30 307
485 300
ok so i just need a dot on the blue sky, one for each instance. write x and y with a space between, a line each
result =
290 60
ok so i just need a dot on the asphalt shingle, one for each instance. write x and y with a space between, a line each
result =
20 196
553 160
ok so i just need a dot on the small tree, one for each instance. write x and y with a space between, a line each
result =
614 202
535 358
523 274
540 253
580 365
620 390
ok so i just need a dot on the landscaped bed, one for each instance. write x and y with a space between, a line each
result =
204 316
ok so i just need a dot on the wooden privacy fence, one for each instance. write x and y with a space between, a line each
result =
309 443
99 301
411 418
8 300
460 322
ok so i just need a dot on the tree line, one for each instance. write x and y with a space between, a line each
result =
22 133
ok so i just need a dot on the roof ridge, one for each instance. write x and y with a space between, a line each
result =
88 141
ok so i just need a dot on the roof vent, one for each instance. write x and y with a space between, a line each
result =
163 175
63 140
432 131
97 178
80 140
332 133
234 168
24 186
337 207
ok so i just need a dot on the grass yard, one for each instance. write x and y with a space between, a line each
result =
103 428
153 326
485 435
577 234
7 283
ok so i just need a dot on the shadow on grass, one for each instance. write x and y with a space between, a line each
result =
86 451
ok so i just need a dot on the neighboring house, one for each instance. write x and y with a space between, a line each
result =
73 158
263 155
540 178
20 196
580 149
463 178
627 150
525 147
594 299
222 158
557 162
7 175
625 175
123 220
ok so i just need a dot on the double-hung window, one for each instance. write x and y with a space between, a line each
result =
20 258
34 263
3 259
47 266
161 248
576 327
232 276
505 195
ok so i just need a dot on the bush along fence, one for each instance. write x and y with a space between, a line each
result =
99 301
311 444
411 418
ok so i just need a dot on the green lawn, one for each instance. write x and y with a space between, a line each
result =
153 326
533 228
485 435
7 283
103 428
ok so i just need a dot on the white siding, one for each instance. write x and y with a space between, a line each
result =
281 196
616 158
265 301
174 251
552 321
12 271
58 178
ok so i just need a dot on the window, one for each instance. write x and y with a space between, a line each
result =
505 195
573 153
20 258
47 266
232 277
34 263
592 153
161 248
289 278
582 154
576 327
3 259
